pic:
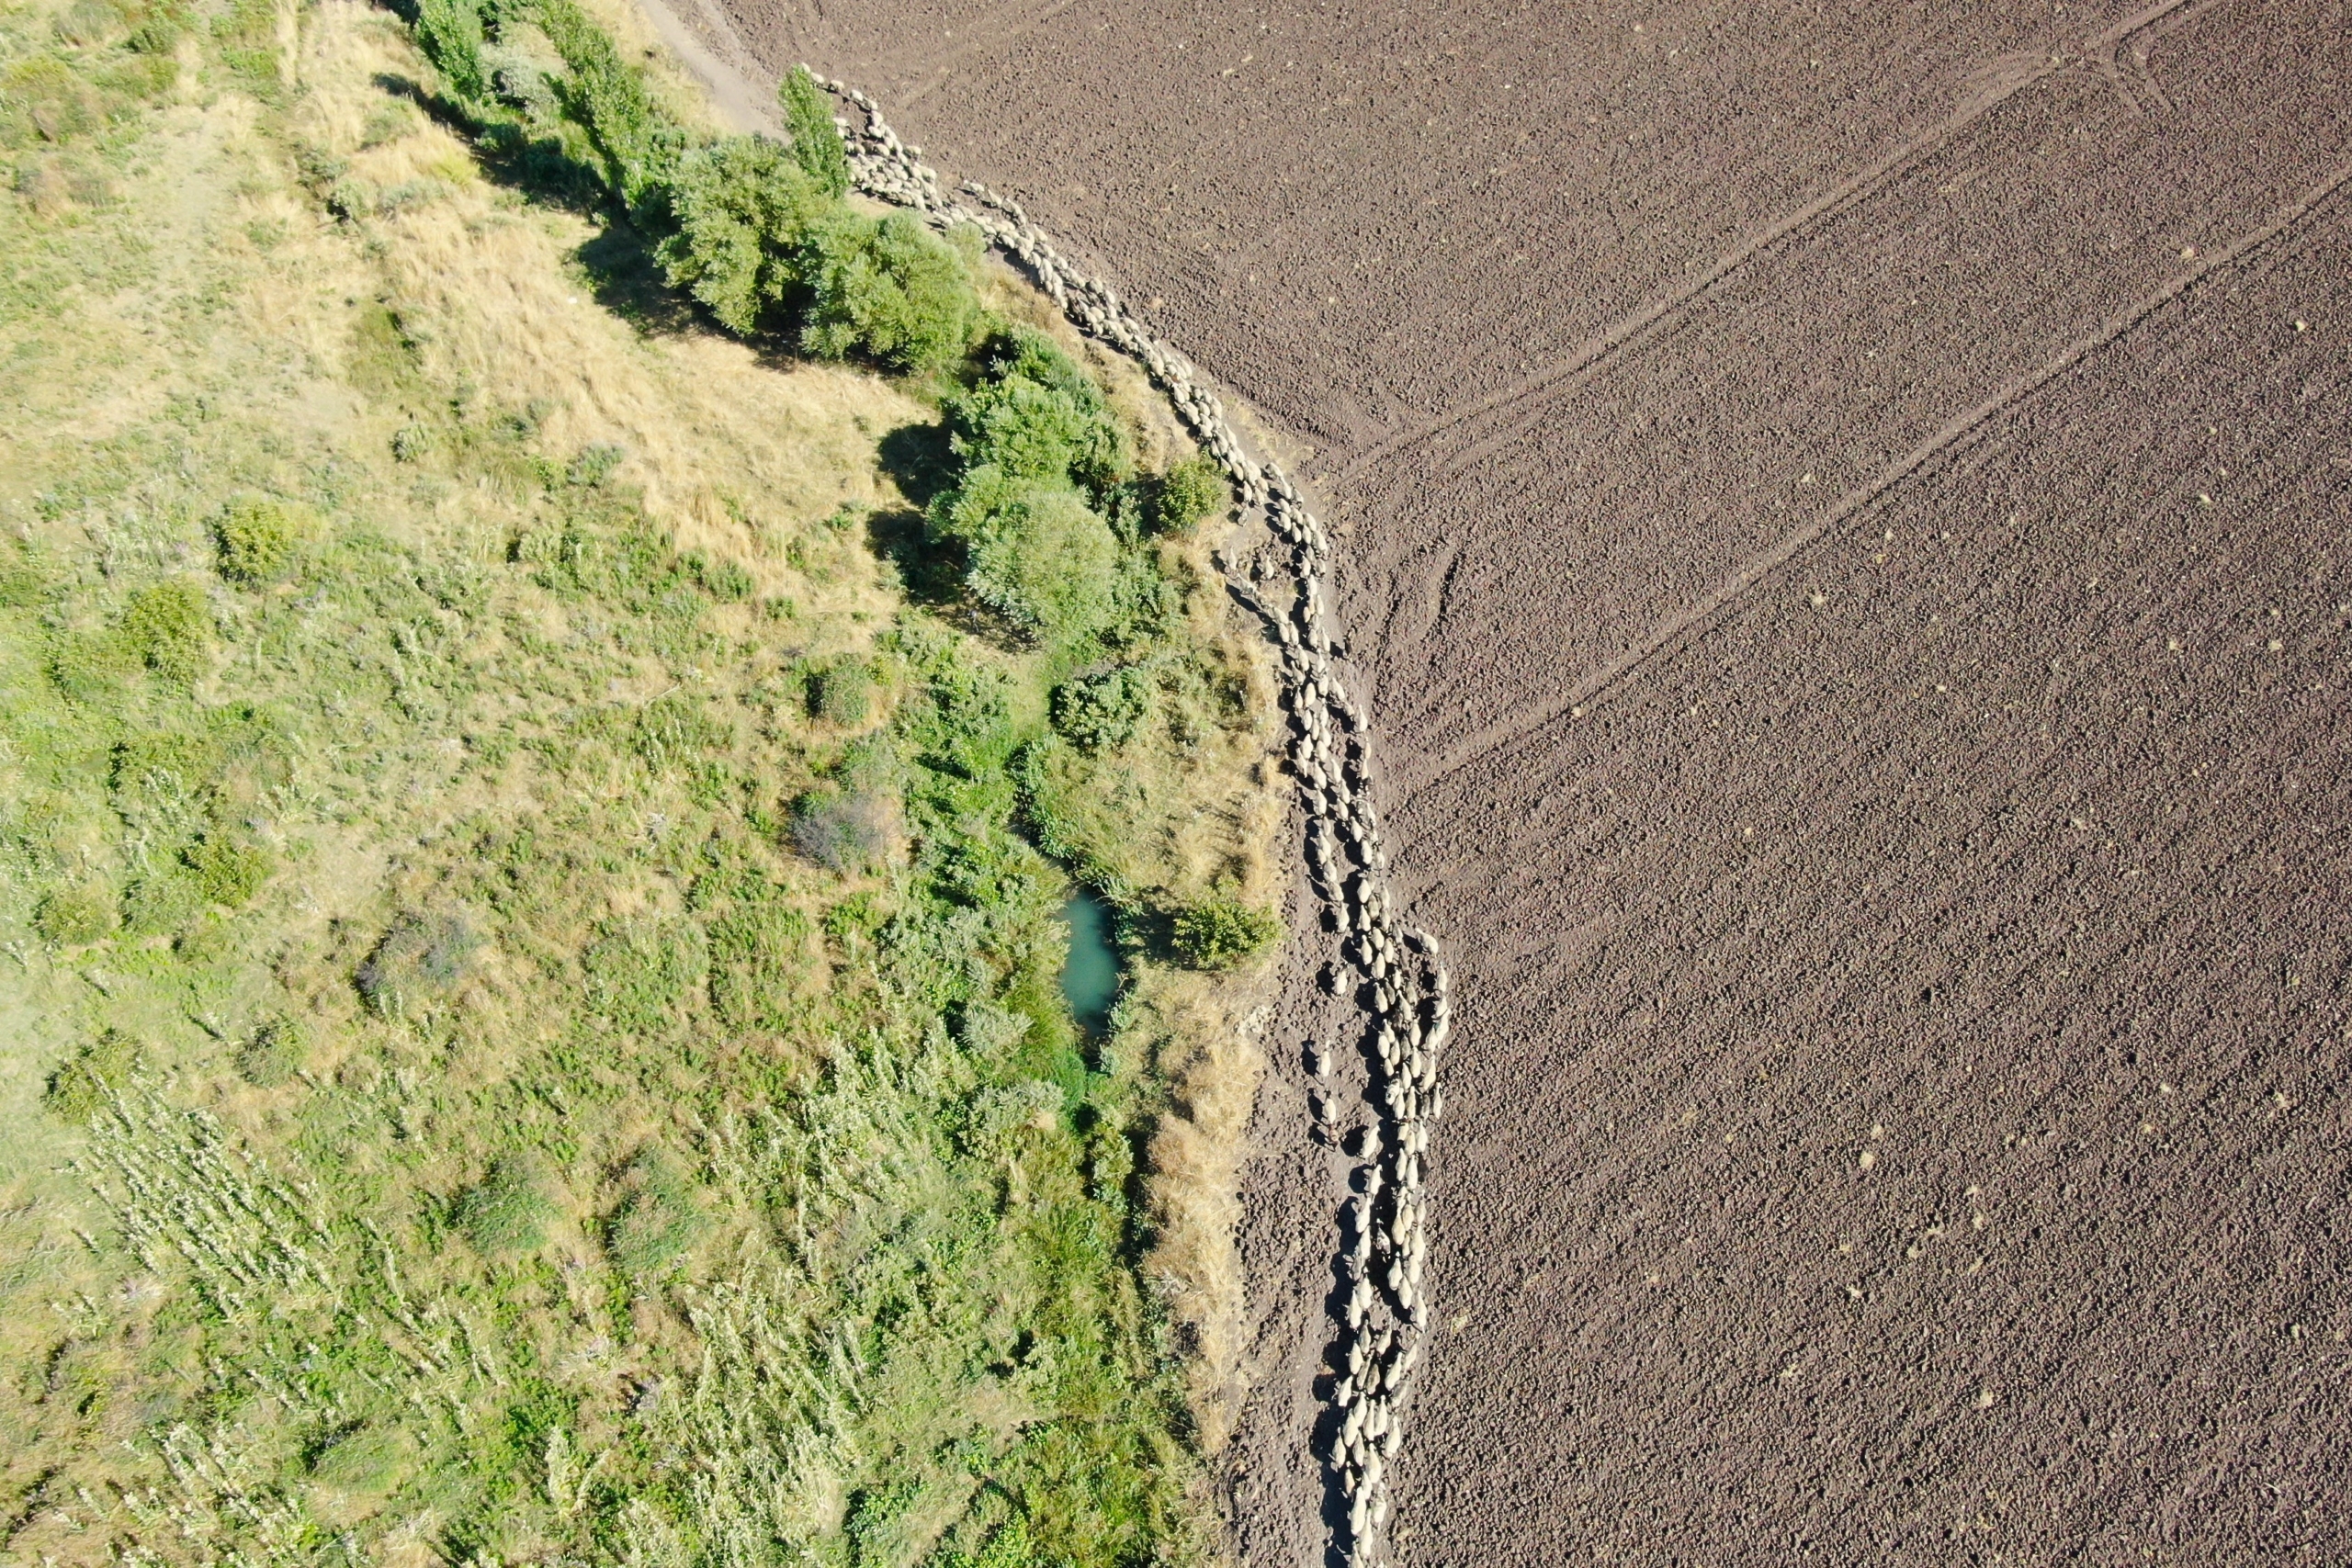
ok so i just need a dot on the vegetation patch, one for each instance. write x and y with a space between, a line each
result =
537 949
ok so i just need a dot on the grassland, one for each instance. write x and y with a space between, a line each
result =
530 878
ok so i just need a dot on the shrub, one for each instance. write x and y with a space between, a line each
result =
256 537
728 582
844 830
888 290
671 731
227 873
1033 412
1102 711
88 23
69 916
843 692
162 901
367 1457
1039 557
595 464
168 625
506 1213
274 1053
656 1223
158 780
816 140
159 34
450 34
78 1090
1187 493
91 666
1220 932
421 960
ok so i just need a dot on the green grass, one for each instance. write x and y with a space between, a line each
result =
531 965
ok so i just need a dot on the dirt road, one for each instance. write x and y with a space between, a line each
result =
1846 516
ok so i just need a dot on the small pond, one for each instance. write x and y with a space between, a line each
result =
1091 978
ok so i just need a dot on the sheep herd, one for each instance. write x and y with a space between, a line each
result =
1392 970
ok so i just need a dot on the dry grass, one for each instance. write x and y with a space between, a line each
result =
424 371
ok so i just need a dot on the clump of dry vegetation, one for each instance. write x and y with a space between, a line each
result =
532 837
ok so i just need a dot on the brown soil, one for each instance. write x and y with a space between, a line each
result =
1845 525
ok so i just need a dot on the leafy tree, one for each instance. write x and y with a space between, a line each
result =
888 290
1038 554
1034 412
744 211
607 96
450 33
816 140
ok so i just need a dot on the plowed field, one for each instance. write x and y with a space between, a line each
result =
1846 528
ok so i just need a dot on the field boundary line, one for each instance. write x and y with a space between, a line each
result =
1854 189
1954 435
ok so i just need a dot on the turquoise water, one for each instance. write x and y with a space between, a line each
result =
1091 976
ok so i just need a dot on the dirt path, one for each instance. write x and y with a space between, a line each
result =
1846 529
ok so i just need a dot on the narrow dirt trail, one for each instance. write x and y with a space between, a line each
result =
1844 522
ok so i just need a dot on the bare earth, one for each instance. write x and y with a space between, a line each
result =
1847 524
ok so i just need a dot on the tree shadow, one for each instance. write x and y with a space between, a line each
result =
919 461
624 274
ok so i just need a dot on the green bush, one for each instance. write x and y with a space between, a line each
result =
1189 492
728 582
673 730
272 1053
1220 932
256 537
78 1090
90 666
506 1213
70 917
227 873
816 139
1102 711
169 626
159 780
888 290
1033 412
367 1457
657 1222
89 23
450 34
159 34
843 692
593 465
161 901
